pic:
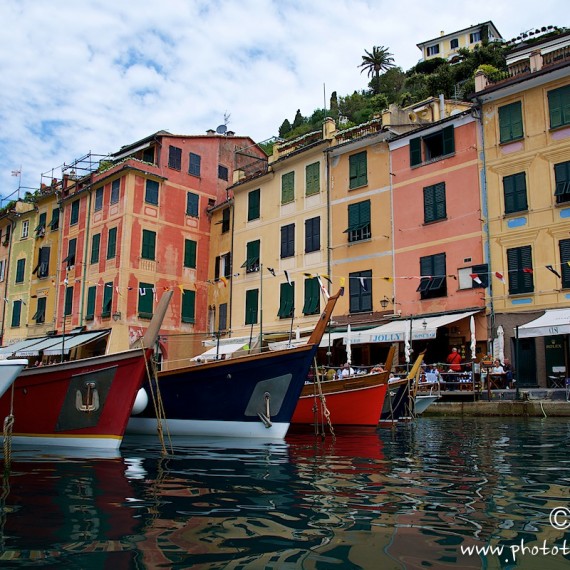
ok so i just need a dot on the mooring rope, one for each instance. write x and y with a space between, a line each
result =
326 412
158 406
7 432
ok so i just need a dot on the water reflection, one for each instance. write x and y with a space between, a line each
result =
409 497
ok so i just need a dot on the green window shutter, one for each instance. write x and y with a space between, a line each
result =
287 187
253 201
448 140
288 241
434 202
68 303
54 222
415 151
192 204
313 179
510 122
358 170
145 300
514 188
559 106
519 259
74 218
188 306
251 302
91 296
115 191
151 192
148 249
252 259
40 314
564 245
20 270
360 291
16 313
190 253
112 243
95 244
312 234
286 301
358 215
562 181
107 300
312 296
41 227
194 164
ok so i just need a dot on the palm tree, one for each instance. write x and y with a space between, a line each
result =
380 59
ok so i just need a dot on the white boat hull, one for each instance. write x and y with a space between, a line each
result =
9 371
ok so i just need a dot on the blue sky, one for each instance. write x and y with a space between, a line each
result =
94 75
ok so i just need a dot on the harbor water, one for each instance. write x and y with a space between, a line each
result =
435 493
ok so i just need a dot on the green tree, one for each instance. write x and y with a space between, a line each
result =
298 120
334 105
374 62
285 128
391 84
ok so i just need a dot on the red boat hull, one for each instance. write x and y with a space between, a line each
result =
83 403
350 407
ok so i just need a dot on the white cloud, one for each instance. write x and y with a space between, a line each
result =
94 76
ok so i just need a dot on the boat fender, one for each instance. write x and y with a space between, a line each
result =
141 402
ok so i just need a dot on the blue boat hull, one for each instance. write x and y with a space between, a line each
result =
249 396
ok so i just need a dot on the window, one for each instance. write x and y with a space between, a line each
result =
359 221
91 296
454 43
145 300
225 220
510 122
286 301
41 227
151 192
7 237
42 268
99 199
287 187
514 190
253 199
148 249
74 217
223 317
312 179
175 157
251 263
559 106
115 191
20 270
434 203
68 302
433 281
148 155
223 173
192 201
2 269
430 147
433 50
188 306
95 245
360 291
71 250
288 240
25 229
476 276
519 260
312 296
562 180
564 245
251 302
358 170
107 300
223 266
194 161
190 247
16 313
40 314
54 223
312 234
474 37
112 243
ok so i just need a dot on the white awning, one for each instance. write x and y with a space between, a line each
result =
65 344
11 349
554 321
222 350
396 330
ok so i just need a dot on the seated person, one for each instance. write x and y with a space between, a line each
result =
347 370
377 368
497 368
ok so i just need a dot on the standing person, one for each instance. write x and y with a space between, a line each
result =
454 361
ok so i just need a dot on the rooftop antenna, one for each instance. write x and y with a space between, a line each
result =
223 129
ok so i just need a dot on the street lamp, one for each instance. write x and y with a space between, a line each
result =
384 302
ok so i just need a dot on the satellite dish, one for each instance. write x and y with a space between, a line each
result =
221 129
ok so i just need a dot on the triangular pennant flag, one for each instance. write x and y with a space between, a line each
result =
142 292
475 278
550 268
500 276
362 283
181 289
154 292
287 277
117 290
225 281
